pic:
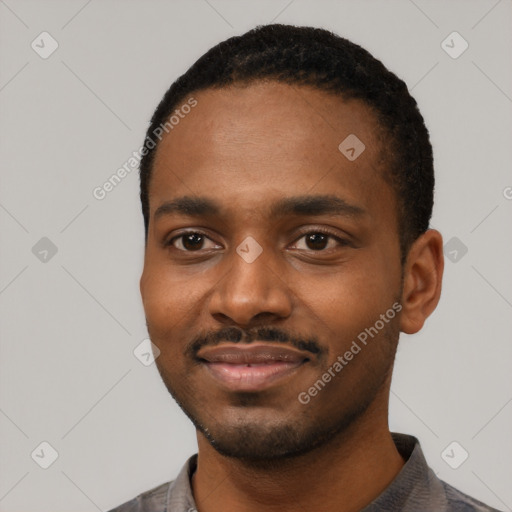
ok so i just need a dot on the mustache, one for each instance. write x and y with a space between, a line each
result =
237 335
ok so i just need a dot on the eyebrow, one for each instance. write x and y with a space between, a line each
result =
296 205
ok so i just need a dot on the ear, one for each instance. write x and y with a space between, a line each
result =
142 285
423 275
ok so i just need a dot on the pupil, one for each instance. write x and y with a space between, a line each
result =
192 241
316 241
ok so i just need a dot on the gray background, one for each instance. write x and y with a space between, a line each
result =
70 324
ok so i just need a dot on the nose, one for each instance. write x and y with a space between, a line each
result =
250 289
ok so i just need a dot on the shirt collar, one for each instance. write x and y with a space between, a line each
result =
416 487
412 489
179 495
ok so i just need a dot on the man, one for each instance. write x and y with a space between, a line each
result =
287 187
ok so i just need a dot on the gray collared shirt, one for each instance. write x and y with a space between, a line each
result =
415 489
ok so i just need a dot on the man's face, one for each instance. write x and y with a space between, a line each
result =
275 268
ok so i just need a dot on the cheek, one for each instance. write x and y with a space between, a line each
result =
163 298
164 309
351 300
173 304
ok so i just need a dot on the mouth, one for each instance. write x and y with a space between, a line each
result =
253 367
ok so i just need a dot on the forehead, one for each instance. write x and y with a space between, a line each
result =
269 139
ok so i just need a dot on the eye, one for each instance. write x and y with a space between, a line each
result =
190 241
320 240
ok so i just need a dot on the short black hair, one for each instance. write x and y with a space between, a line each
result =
315 57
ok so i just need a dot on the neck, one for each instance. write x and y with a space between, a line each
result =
344 475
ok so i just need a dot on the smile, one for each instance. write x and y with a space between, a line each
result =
253 367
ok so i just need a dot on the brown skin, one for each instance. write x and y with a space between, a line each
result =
246 148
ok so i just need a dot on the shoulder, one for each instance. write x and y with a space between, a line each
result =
153 500
460 502
158 498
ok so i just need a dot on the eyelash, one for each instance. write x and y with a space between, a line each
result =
342 242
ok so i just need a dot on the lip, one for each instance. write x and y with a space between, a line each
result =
251 367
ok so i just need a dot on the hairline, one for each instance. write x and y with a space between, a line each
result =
382 133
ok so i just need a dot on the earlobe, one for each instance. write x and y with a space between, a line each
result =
423 274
